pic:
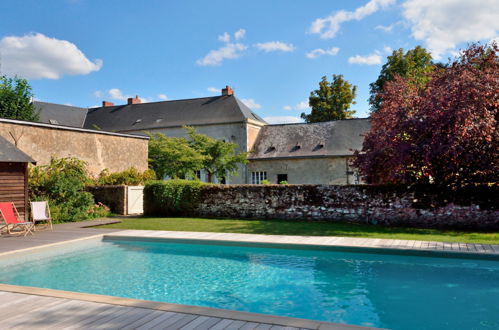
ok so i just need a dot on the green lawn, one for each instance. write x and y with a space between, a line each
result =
276 227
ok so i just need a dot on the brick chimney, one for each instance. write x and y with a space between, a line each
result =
227 91
107 104
134 100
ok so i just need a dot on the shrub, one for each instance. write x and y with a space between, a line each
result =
62 182
171 198
283 182
130 177
264 182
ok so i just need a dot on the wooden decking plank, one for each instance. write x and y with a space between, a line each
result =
235 325
249 326
195 323
222 324
163 319
132 315
143 320
188 318
40 318
81 316
93 318
208 324
72 314
263 326
120 310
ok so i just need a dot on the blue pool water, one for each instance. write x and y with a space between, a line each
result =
390 291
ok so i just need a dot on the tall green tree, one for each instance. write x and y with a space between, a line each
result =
15 99
220 158
173 157
415 64
331 101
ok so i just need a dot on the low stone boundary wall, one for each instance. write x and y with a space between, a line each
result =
417 206
115 197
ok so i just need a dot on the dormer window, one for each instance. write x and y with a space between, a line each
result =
318 147
53 122
137 121
270 149
296 148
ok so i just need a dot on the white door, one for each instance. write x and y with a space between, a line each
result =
135 199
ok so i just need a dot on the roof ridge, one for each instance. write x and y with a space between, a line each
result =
63 105
164 101
321 122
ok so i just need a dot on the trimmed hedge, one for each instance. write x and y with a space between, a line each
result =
171 198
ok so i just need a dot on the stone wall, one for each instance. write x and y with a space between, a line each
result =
115 197
420 206
326 170
116 152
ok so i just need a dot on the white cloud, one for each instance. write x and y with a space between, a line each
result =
387 50
36 56
117 94
444 24
372 59
224 37
251 103
216 57
329 26
283 120
384 28
319 52
273 46
240 34
99 94
163 97
228 51
213 90
300 106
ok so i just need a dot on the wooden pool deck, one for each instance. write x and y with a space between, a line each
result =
36 308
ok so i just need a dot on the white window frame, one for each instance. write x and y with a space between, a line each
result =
258 176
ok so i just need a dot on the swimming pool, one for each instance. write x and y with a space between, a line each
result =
370 289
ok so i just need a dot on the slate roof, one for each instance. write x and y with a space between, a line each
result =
60 114
333 138
199 111
10 153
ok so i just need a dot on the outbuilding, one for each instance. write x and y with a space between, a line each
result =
14 176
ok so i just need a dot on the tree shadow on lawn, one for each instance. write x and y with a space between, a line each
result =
321 228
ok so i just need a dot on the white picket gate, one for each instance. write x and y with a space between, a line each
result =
135 202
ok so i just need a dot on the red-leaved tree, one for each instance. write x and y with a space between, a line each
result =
445 132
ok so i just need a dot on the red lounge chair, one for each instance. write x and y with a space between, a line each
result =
10 217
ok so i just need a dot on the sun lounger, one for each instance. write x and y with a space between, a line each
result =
10 217
40 211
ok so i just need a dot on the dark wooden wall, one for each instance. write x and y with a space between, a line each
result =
14 185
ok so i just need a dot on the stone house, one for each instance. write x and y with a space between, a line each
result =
225 117
317 153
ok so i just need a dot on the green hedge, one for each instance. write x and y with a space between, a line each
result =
171 198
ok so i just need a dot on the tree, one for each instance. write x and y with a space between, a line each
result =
331 101
415 63
15 99
445 133
173 157
220 158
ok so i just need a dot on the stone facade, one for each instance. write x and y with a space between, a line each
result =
101 150
426 207
326 170
243 134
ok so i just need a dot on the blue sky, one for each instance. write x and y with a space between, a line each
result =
272 52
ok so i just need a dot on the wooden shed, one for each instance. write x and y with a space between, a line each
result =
14 176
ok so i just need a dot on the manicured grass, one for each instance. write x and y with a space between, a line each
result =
277 227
